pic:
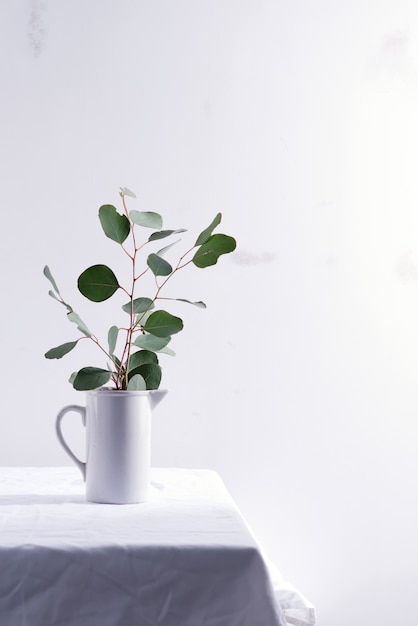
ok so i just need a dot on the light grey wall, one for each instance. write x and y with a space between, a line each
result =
298 120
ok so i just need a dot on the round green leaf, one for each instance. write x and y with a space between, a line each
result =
149 219
139 358
115 225
150 372
98 283
60 351
215 246
150 342
90 378
158 265
139 305
163 324
137 383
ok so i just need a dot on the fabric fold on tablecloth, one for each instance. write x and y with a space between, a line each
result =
297 610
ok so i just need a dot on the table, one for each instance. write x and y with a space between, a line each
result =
185 558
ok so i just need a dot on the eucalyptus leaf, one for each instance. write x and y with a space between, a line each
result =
212 249
112 337
167 248
98 283
150 342
161 234
167 351
139 358
60 351
137 383
53 295
115 225
158 265
199 304
127 192
90 378
48 275
150 372
58 299
205 234
140 305
76 319
163 324
149 219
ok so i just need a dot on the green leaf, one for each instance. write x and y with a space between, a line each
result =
150 372
112 337
149 219
167 248
156 344
137 383
199 304
98 283
60 351
205 234
163 324
48 275
161 234
90 378
215 246
53 295
116 361
140 305
76 319
158 265
141 357
127 192
167 351
150 342
115 225
58 299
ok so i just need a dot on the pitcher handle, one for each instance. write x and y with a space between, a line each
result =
78 409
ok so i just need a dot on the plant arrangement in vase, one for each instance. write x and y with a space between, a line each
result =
148 329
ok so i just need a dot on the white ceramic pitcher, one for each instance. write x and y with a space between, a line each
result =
118 443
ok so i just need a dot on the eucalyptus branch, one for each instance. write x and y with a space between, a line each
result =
138 367
142 274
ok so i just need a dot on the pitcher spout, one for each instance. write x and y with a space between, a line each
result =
155 397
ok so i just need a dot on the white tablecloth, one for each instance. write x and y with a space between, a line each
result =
185 558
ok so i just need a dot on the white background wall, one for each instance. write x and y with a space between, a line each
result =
298 120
